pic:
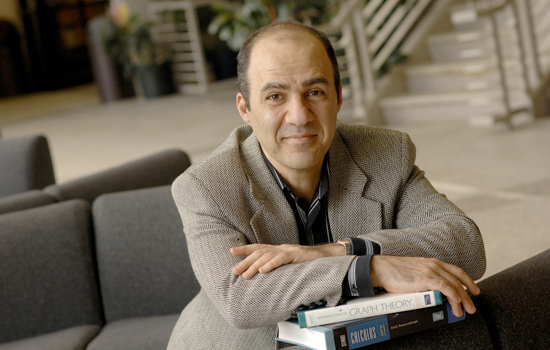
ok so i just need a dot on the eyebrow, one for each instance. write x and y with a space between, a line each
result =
281 86
270 86
315 81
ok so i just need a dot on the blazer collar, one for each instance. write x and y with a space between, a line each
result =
274 222
346 201
345 174
350 212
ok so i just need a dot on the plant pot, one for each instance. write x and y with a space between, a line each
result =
156 80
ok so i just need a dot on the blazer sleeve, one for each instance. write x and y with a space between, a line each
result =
426 224
266 298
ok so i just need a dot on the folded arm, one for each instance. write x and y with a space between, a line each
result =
264 299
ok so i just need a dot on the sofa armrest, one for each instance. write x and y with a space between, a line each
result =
514 304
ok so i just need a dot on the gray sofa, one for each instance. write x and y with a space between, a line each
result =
156 169
116 274
25 164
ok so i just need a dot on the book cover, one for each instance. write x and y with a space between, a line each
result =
369 306
371 330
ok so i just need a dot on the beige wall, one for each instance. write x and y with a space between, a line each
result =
9 10
138 6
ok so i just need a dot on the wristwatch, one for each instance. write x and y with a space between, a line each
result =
346 244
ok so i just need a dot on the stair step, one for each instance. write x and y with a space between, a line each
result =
464 17
472 74
441 107
445 47
462 75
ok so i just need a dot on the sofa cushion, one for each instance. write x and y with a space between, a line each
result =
24 200
75 338
514 304
158 169
468 334
142 255
25 164
48 280
147 333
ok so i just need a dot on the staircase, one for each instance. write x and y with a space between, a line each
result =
458 74
177 27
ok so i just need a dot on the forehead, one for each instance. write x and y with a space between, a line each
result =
288 54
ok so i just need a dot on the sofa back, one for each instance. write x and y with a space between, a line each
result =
25 164
47 274
24 200
142 256
158 169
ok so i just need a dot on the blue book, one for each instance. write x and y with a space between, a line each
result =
371 330
362 307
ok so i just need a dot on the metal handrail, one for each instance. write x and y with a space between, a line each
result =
526 43
381 36
388 24
344 13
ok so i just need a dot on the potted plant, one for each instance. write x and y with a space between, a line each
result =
233 24
127 39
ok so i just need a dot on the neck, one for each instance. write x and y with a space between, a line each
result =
303 182
304 185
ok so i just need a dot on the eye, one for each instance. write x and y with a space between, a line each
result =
316 93
274 97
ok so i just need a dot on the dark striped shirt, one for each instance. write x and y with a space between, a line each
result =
313 227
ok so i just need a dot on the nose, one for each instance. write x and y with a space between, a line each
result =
298 112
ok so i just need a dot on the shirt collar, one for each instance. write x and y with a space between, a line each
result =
323 184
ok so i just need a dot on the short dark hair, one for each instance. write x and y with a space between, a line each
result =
243 58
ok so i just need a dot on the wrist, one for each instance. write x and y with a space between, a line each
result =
335 249
346 244
375 282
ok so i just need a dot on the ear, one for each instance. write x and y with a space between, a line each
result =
242 108
340 99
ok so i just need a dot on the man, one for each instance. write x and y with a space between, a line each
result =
295 207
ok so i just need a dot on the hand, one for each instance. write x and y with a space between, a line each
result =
406 274
263 258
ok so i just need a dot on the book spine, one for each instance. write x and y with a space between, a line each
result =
378 329
370 308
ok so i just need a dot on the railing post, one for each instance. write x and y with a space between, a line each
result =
524 19
359 110
500 69
366 60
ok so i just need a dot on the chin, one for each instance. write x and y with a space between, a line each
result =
303 162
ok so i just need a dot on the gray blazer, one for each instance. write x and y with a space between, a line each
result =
230 198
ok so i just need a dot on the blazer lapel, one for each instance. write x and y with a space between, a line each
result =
351 213
274 222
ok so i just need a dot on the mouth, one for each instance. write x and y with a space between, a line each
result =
300 138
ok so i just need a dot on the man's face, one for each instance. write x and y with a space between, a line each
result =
293 101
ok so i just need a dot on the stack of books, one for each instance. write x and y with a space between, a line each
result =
365 321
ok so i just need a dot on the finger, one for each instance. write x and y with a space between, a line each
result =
457 308
254 268
468 304
463 277
451 287
246 263
246 249
458 279
277 261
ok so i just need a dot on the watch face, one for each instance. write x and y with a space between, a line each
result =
347 246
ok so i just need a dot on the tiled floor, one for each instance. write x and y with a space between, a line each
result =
500 178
